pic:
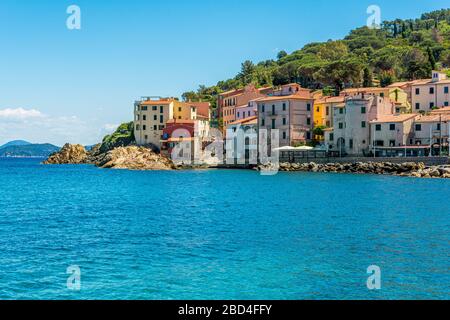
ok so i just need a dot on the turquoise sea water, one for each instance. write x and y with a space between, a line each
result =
219 234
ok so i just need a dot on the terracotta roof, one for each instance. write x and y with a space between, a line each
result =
156 102
429 82
434 118
404 83
335 99
281 98
394 118
250 120
441 110
202 108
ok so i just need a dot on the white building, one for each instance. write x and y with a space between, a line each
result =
430 93
351 131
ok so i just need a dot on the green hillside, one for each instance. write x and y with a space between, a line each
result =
400 50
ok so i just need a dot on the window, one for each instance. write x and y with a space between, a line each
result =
146 137
417 91
363 110
378 127
137 117
379 143
154 108
161 109
438 127
284 106
144 117
273 109
351 143
308 135
327 111
161 119
263 122
239 114
155 128
341 125
382 94
308 121
445 90
341 110
391 143
161 127
431 105
392 127
155 117
284 121
263 108
328 123
331 136
284 135
418 127
446 104
144 108
144 127
179 109
273 123
363 124
432 90
308 107
137 127
417 106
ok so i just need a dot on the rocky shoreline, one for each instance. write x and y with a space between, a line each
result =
407 169
141 158
129 157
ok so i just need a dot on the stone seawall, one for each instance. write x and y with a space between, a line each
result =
429 161
407 169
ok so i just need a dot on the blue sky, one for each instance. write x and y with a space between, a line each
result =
59 85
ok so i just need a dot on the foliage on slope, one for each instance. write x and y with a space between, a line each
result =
399 50
122 137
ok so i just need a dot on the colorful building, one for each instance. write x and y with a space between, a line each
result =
230 100
292 115
151 115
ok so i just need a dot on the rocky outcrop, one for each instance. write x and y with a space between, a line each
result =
133 158
69 154
409 169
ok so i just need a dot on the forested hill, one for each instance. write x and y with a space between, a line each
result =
399 50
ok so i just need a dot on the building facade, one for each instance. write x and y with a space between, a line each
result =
351 130
292 115
429 94
151 114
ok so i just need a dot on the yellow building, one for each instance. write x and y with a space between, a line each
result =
323 112
151 115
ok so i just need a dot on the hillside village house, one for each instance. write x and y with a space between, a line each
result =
247 111
398 96
431 93
432 130
151 115
292 115
248 128
392 130
323 110
230 100
351 131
